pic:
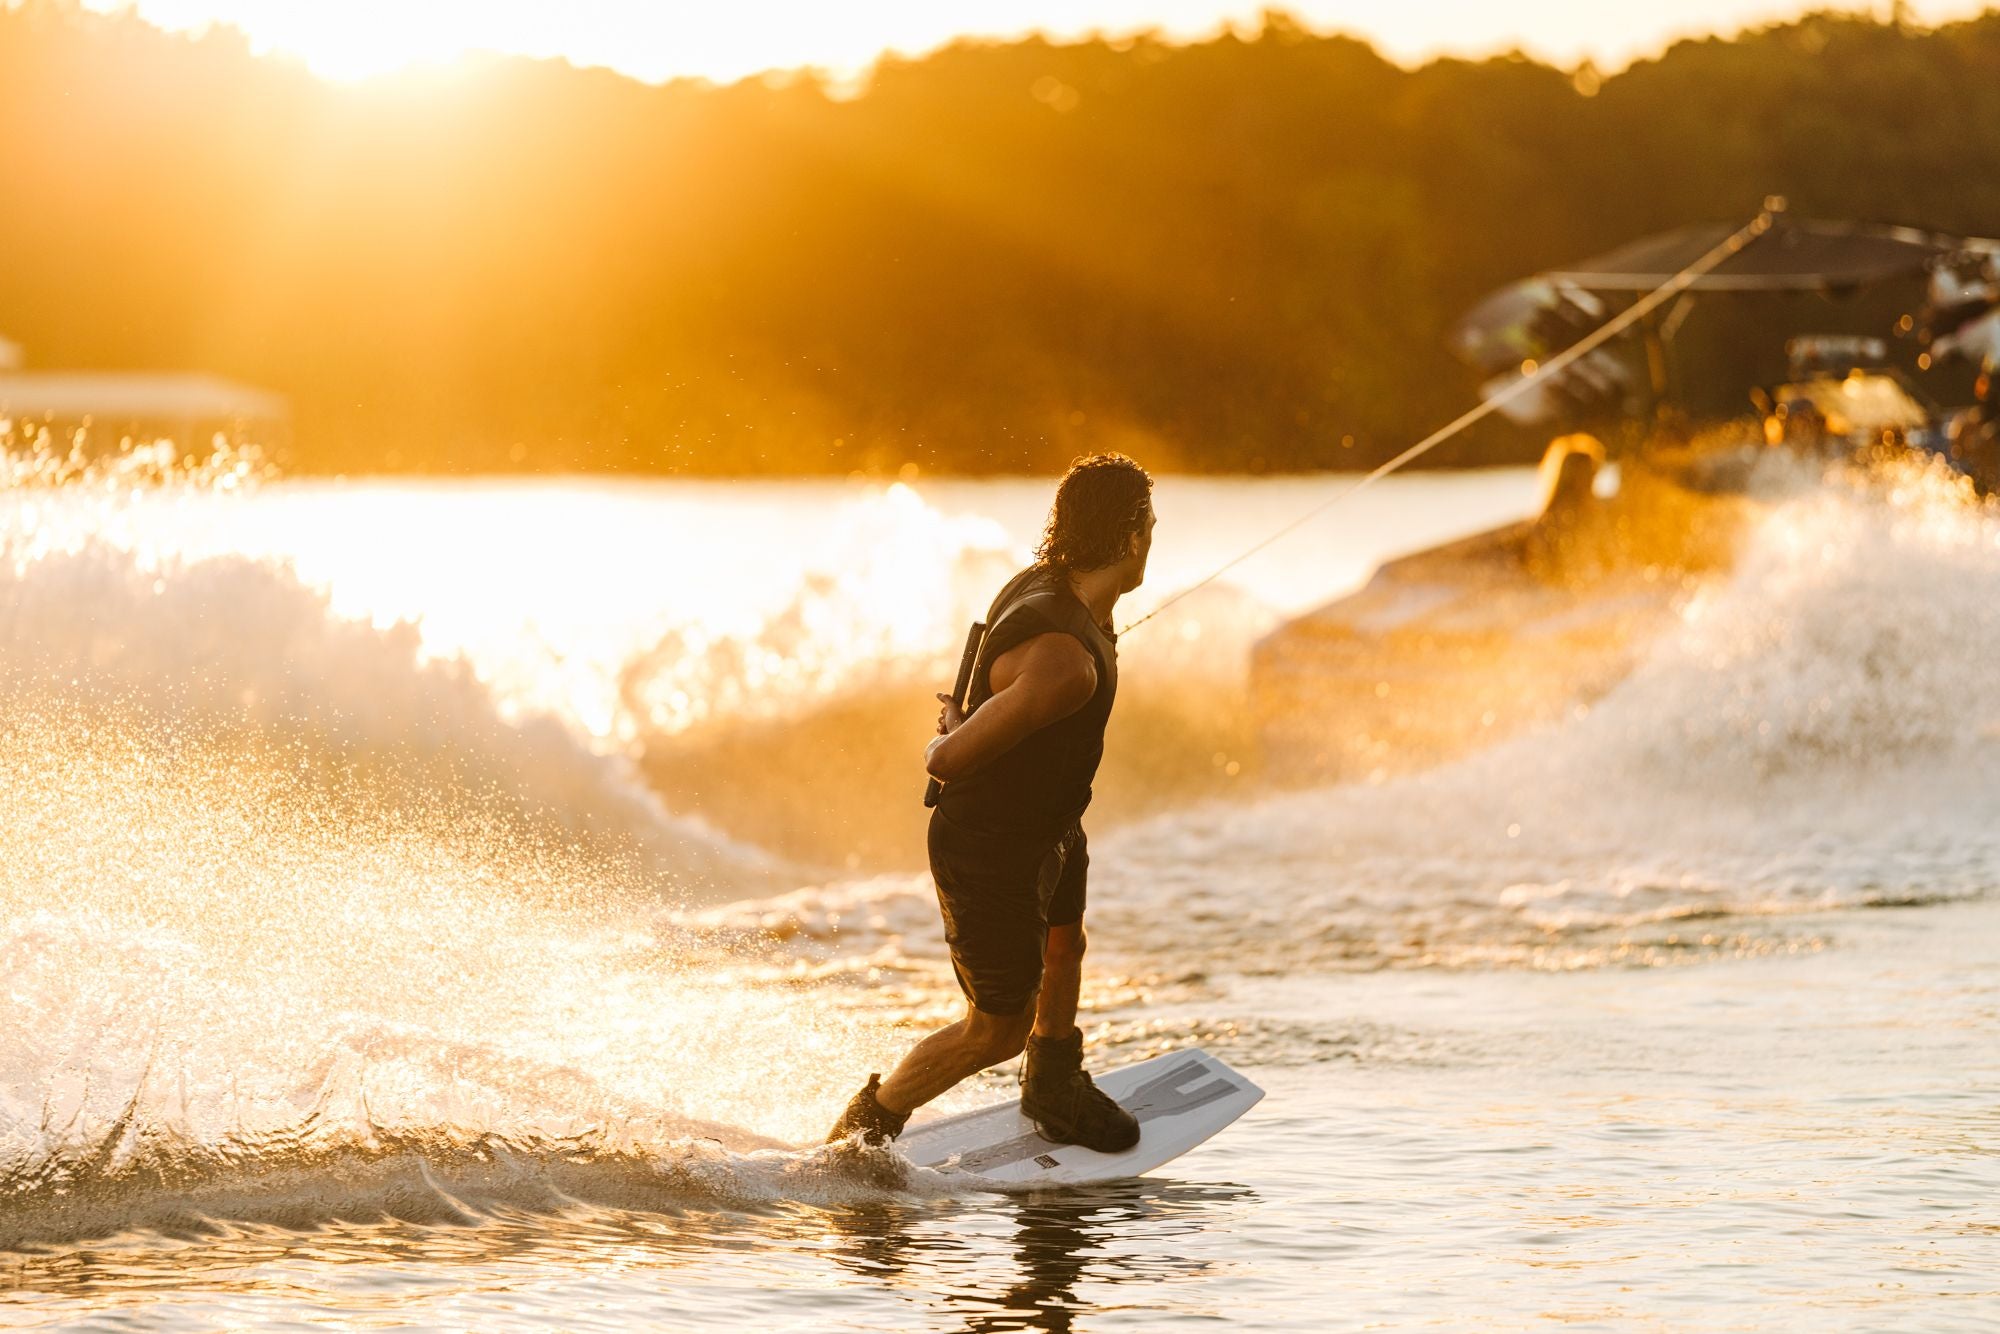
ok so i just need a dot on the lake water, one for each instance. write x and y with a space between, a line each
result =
447 904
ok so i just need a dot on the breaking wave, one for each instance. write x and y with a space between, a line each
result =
234 650
237 992
300 921
1815 734
295 923
143 1178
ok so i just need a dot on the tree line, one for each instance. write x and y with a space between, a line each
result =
1237 254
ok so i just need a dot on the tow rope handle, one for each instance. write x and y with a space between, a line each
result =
975 639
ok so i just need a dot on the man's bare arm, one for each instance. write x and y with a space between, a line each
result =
1035 683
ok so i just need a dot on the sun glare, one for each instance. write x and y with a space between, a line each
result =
658 39
366 38
358 40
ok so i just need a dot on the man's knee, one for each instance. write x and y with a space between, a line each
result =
1007 1047
1001 1037
1065 943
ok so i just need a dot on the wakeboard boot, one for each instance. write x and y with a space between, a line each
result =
1065 1105
877 1124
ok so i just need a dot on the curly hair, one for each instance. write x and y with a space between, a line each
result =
1100 502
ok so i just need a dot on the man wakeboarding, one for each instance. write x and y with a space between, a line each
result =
1007 848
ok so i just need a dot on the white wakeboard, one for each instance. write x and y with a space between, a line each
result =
1181 1099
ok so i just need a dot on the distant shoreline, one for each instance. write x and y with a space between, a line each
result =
291 474
1231 256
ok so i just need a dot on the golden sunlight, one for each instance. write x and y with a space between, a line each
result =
593 592
365 38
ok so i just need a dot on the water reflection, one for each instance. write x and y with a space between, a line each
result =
984 1264
1019 1264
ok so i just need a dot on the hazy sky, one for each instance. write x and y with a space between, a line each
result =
726 39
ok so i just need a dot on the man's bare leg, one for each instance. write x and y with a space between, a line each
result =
955 1052
1062 981
981 1041
977 1042
1055 1093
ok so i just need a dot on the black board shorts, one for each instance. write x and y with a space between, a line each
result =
1000 894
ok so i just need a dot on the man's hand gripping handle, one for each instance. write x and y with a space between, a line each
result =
953 711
